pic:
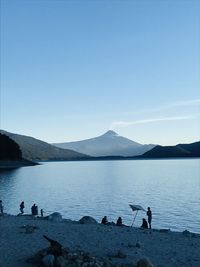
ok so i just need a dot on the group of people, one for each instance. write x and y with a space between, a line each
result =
149 218
34 212
34 209
106 222
144 225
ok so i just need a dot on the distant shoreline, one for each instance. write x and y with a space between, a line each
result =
13 164
118 158
9 164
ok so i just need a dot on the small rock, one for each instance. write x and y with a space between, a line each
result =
164 230
61 262
195 235
130 245
48 260
121 254
138 245
37 258
186 233
144 263
55 217
29 229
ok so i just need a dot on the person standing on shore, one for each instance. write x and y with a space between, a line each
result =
22 207
34 210
149 215
1 207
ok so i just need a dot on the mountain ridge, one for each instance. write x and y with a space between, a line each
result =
36 150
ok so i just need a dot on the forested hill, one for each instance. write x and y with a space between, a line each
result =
37 150
9 149
180 150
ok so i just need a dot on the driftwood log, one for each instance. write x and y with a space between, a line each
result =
55 247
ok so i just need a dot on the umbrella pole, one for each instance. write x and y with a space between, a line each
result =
134 218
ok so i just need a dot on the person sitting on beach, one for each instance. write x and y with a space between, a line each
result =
104 220
149 214
22 207
144 224
119 222
1 207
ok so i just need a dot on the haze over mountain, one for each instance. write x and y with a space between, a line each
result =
108 144
180 150
34 149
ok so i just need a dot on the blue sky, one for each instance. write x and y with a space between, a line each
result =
72 70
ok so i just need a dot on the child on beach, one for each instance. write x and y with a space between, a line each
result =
42 213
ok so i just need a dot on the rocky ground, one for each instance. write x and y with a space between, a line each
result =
90 244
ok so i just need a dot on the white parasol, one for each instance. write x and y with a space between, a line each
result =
135 208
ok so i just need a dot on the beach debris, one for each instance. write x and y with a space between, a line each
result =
55 247
58 256
48 260
29 229
36 259
61 261
144 263
119 254
87 220
55 217
68 259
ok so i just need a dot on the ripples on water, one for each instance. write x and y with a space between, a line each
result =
170 187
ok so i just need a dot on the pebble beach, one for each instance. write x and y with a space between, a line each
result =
119 246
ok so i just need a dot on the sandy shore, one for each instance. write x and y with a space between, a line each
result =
164 249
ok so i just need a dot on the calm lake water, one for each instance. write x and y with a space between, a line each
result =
97 188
